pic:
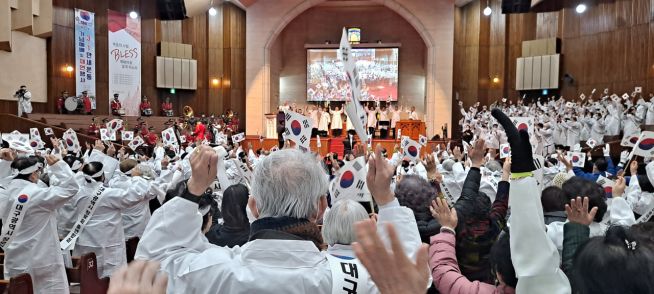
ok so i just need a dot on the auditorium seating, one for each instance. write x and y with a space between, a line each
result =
21 284
85 272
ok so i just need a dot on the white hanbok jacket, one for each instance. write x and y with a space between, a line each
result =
173 238
35 247
104 234
337 120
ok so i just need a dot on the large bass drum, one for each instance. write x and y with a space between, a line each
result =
72 103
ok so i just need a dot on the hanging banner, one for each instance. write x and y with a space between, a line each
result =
125 61
84 52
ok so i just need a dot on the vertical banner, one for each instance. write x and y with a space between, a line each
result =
84 52
125 60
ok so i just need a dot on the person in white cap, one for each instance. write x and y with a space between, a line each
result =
29 235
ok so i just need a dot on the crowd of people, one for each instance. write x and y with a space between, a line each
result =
219 216
328 120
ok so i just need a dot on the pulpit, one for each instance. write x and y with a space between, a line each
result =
411 128
271 125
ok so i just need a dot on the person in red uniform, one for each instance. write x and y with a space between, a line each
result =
61 100
146 109
88 105
198 134
151 137
167 108
93 129
116 106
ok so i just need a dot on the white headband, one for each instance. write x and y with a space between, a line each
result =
30 169
91 177
76 165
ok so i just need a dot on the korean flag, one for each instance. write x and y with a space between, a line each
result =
34 134
351 182
298 129
410 148
127 135
505 151
578 159
168 137
135 143
238 137
422 140
645 145
115 125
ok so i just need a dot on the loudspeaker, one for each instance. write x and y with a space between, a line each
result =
171 9
515 6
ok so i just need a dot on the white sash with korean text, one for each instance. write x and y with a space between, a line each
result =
348 275
447 194
14 219
69 241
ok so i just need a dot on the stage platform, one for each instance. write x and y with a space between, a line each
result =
326 145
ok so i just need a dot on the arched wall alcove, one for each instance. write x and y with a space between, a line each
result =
432 20
288 56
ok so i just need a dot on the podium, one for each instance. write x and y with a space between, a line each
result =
411 128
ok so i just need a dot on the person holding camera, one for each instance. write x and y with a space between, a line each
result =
24 98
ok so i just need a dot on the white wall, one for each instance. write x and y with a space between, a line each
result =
25 65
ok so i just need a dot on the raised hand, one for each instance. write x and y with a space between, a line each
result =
506 169
519 141
477 153
7 154
380 173
619 187
577 211
430 166
457 153
139 277
445 215
98 145
51 159
392 271
204 162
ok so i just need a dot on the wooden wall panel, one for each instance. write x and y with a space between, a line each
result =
197 31
609 46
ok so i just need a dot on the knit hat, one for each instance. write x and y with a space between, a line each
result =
560 178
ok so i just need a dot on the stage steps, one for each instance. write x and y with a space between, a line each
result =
336 145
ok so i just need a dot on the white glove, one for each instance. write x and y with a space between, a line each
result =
624 156
607 150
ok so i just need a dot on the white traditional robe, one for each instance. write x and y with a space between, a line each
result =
35 247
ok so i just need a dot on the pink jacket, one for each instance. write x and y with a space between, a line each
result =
446 274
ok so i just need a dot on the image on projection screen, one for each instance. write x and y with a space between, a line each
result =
378 70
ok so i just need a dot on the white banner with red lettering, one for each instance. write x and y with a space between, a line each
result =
125 60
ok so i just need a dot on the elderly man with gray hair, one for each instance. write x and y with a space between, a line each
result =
283 254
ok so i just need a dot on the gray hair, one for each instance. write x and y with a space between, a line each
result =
338 224
447 165
288 183
146 171
493 166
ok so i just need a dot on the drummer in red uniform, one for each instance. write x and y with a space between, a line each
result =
86 100
167 108
146 109
60 102
116 106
